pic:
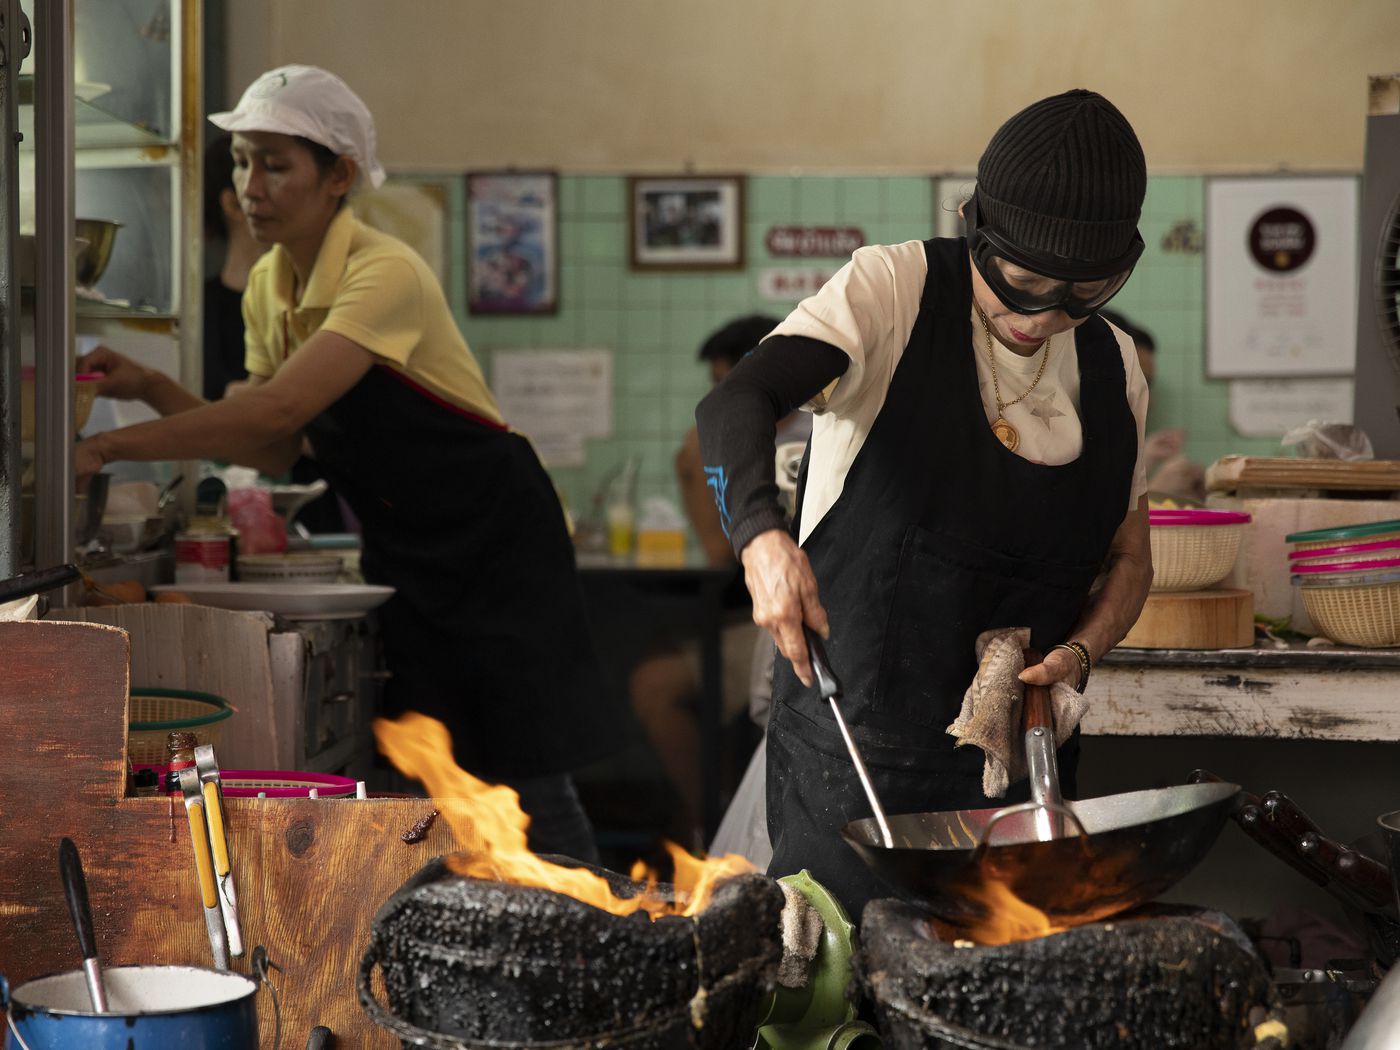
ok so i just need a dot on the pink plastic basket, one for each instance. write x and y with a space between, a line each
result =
1347 566
1346 551
250 783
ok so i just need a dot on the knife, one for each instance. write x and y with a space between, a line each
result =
204 865
212 789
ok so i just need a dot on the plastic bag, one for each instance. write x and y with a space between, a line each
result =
1316 439
260 529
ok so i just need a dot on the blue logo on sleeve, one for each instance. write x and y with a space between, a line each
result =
716 479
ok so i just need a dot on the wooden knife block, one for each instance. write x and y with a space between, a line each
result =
310 873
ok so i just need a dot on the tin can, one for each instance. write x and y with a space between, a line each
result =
204 552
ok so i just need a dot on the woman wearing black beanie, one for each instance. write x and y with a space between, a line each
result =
974 465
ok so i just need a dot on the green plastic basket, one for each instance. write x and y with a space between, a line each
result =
156 713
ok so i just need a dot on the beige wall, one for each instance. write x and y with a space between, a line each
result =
829 85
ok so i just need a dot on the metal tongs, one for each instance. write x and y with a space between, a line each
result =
829 686
203 791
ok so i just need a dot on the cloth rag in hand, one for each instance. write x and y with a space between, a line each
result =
991 709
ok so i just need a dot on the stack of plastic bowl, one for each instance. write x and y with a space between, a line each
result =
1349 578
1193 548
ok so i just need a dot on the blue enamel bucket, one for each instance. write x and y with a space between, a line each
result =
149 1008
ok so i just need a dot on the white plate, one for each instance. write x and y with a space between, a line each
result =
299 601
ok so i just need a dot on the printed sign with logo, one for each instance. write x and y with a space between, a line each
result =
1281 277
809 242
788 284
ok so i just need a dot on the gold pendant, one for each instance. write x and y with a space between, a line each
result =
1006 433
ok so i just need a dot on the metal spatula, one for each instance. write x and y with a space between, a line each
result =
830 688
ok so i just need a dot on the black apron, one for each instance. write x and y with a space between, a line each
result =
940 533
486 631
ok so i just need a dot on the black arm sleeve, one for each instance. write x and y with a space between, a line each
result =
738 421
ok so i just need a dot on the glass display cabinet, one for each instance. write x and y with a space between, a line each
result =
102 236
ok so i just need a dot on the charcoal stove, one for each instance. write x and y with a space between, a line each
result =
1155 978
471 963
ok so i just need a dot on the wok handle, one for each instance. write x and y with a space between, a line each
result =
1036 711
1362 875
1365 877
1038 722
38 582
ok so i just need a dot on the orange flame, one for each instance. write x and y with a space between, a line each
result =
1008 917
490 828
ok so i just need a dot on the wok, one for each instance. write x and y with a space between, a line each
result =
1089 860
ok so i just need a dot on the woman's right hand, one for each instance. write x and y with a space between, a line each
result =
123 379
784 591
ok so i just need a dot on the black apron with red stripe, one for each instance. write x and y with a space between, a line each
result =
486 631
940 533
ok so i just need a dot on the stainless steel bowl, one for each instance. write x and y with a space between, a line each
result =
101 235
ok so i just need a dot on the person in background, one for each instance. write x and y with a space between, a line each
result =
665 687
973 467
721 351
227 230
1169 472
352 348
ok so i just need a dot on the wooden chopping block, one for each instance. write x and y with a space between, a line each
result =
1222 618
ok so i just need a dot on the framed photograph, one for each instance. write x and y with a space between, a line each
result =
687 223
512 242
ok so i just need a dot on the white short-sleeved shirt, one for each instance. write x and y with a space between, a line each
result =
868 310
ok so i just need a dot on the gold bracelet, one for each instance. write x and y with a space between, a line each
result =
1081 653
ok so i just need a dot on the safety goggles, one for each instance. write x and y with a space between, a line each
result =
1027 285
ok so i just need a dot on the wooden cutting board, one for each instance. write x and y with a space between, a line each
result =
1221 618
1231 473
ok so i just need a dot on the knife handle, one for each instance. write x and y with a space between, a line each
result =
70 867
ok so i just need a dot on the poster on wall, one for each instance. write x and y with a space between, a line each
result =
512 243
1281 259
1266 408
556 398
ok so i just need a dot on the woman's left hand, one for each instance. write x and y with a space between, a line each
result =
1058 666
88 460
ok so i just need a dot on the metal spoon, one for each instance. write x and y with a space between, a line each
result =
70 867
830 688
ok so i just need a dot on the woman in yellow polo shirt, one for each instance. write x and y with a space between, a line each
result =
352 347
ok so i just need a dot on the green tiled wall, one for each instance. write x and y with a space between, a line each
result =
655 323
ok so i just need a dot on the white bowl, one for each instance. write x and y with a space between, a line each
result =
289 568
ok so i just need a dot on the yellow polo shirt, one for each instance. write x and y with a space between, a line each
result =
375 291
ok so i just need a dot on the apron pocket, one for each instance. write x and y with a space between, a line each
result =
946 593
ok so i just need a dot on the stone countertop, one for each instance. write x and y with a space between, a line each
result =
1294 656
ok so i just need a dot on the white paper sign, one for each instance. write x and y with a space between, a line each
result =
1281 260
556 398
1272 407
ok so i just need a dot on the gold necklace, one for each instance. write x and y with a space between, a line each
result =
1004 431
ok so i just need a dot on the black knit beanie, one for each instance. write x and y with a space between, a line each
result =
1064 179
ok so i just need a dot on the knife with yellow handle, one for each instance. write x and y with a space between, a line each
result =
213 791
204 865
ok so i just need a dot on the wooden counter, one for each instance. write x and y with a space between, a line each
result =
1296 693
